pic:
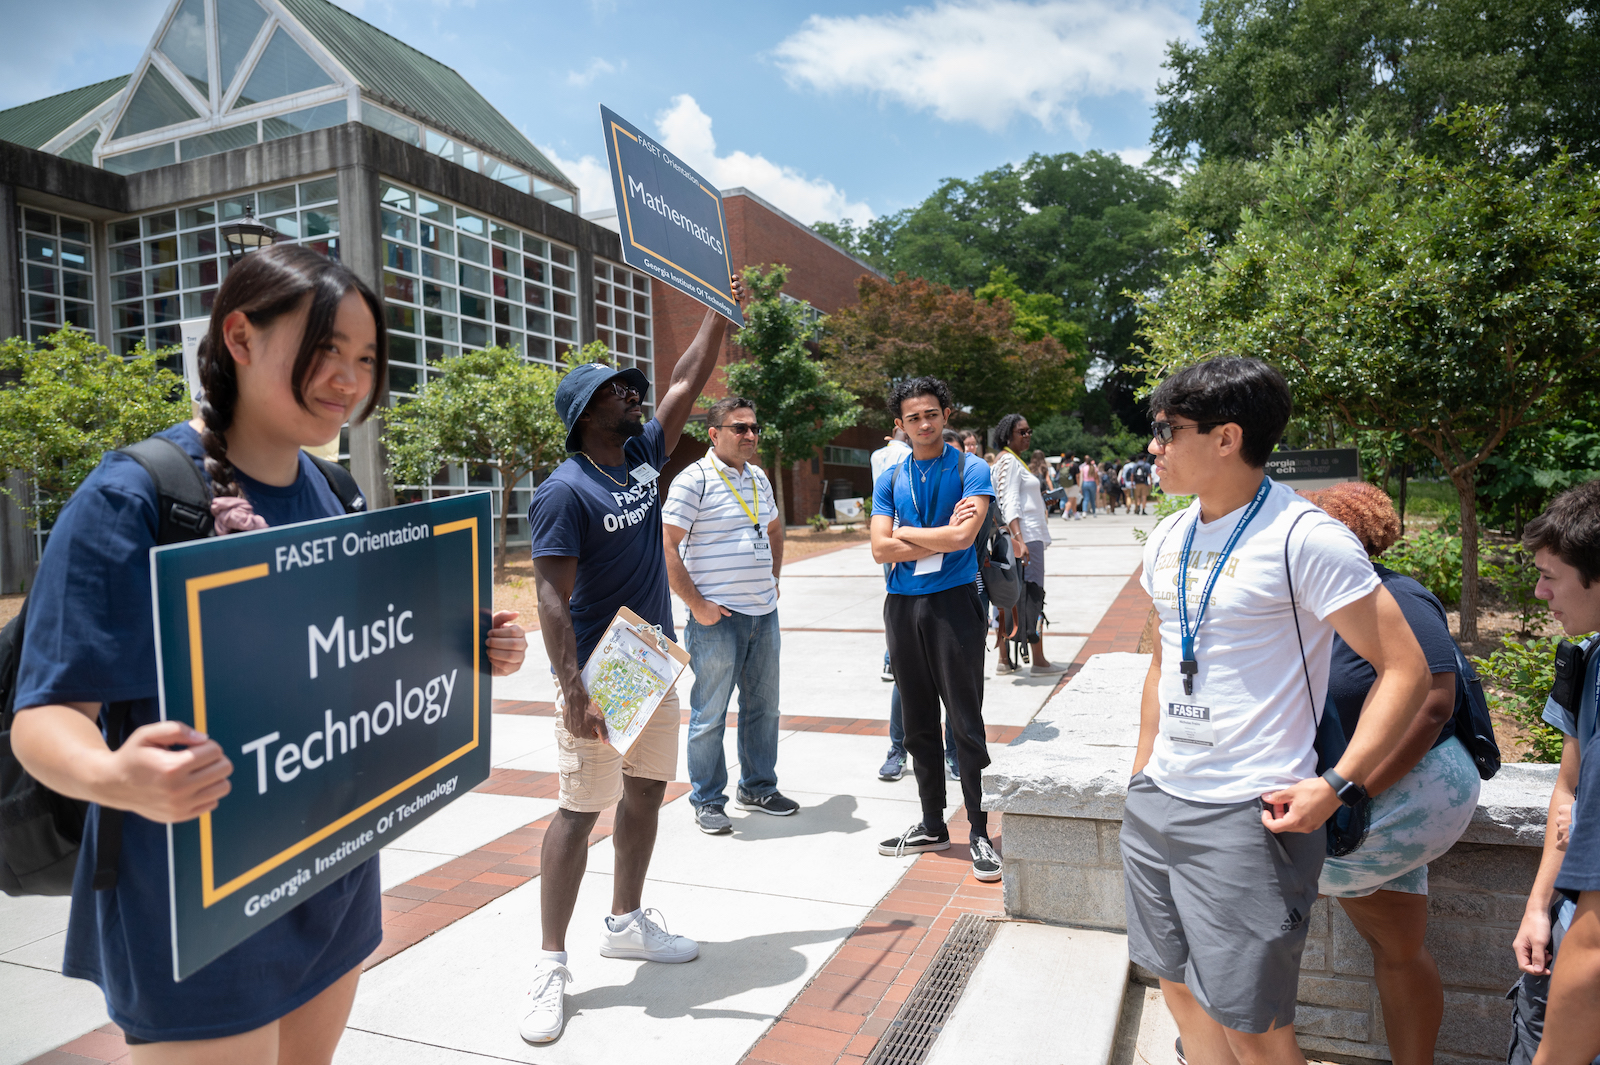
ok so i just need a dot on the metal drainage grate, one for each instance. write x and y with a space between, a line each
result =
921 1018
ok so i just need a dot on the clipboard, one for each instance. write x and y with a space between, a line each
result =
630 672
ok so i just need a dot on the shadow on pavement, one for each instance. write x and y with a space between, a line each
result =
837 814
721 971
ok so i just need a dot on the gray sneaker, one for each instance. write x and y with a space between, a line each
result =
712 821
894 767
777 804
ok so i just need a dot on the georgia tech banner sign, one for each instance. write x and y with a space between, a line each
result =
670 217
340 664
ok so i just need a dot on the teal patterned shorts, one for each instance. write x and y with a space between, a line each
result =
1415 821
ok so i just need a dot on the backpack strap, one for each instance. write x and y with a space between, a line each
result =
184 503
108 838
343 484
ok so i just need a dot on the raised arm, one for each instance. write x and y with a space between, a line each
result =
692 371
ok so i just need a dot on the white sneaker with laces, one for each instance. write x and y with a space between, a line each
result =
645 940
547 1012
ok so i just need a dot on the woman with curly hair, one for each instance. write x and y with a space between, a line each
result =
1423 794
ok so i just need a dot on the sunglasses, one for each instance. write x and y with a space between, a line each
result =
622 391
1161 432
740 428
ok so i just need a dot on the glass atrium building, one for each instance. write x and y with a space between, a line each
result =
337 136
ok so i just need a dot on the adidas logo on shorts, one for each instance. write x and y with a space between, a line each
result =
1291 922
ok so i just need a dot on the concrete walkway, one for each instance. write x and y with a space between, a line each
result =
770 904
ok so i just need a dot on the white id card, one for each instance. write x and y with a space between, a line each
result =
931 564
1188 723
763 550
644 473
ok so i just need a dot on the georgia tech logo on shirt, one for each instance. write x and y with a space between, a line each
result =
633 515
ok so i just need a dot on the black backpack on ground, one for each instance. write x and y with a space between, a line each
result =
41 831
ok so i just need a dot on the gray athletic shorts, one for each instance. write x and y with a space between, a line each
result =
1217 902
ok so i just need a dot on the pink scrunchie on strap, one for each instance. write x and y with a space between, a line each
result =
234 514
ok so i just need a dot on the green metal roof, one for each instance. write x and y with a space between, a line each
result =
394 71
32 125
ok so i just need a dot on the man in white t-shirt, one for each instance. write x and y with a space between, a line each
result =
1222 836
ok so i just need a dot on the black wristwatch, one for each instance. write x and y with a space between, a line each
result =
1349 792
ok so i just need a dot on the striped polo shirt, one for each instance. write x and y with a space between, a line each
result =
718 551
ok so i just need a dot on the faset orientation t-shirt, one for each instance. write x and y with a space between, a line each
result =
610 521
923 495
1250 724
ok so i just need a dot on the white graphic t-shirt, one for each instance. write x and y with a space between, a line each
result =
1248 727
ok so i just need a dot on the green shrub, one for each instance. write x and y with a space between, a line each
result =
1433 558
1524 672
1166 506
1513 573
818 522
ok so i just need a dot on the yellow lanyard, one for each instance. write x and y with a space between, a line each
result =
755 496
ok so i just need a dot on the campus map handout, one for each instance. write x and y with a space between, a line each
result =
630 672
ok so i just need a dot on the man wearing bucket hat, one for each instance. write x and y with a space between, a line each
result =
597 547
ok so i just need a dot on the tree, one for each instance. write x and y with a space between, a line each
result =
1085 228
800 408
911 327
65 401
1449 301
484 408
1267 68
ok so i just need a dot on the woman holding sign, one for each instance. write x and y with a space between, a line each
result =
296 345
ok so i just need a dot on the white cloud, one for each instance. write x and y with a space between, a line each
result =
593 177
988 61
1134 156
685 130
595 68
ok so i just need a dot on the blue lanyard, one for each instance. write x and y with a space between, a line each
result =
1190 666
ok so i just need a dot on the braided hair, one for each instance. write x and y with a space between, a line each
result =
266 285
1002 432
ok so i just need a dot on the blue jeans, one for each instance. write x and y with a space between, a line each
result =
740 649
1090 490
897 729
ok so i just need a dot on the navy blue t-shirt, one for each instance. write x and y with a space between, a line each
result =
923 494
90 638
1350 676
609 522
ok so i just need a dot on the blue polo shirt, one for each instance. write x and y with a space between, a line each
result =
923 494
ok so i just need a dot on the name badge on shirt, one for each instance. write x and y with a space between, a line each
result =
931 564
644 473
1188 723
763 549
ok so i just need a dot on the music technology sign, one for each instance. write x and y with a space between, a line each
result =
340 664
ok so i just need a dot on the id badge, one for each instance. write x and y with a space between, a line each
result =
763 550
1188 723
644 473
931 564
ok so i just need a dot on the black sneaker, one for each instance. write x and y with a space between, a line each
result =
712 821
775 804
894 767
985 862
915 840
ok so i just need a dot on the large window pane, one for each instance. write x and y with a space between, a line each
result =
201 274
127 286
198 243
44 309
396 225
203 214
141 160
320 117
398 198
238 23
78 286
398 287
320 222
438 238
160 251
162 280
474 278
399 257
474 335
401 318
223 140
438 297
437 268
474 250
284 69
392 124
78 314
319 190
155 103
474 306
185 43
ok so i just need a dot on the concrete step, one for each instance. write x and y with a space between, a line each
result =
1041 995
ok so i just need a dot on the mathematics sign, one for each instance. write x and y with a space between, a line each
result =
340 664
670 217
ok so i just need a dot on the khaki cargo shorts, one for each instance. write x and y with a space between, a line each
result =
592 771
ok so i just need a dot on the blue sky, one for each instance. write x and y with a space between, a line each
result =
828 109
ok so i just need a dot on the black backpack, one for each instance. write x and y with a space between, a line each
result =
1474 726
41 831
1141 473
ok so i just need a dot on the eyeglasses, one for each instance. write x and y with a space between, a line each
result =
622 391
740 428
1026 432
1161 432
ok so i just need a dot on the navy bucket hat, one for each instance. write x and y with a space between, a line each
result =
578 387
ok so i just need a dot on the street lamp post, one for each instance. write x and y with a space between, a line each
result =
247 235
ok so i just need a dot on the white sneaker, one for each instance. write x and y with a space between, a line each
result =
547 1012
644 940
1002 669
1045 671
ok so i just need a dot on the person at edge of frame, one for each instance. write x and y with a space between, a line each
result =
1222 835
1558 939
724 554
599 545
295 348
926 515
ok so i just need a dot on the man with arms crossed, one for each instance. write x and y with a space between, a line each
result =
721 515
1222 836
926 513
597 547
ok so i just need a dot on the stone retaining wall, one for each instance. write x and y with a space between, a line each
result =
1060 788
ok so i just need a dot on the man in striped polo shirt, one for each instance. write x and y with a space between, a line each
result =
724 551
